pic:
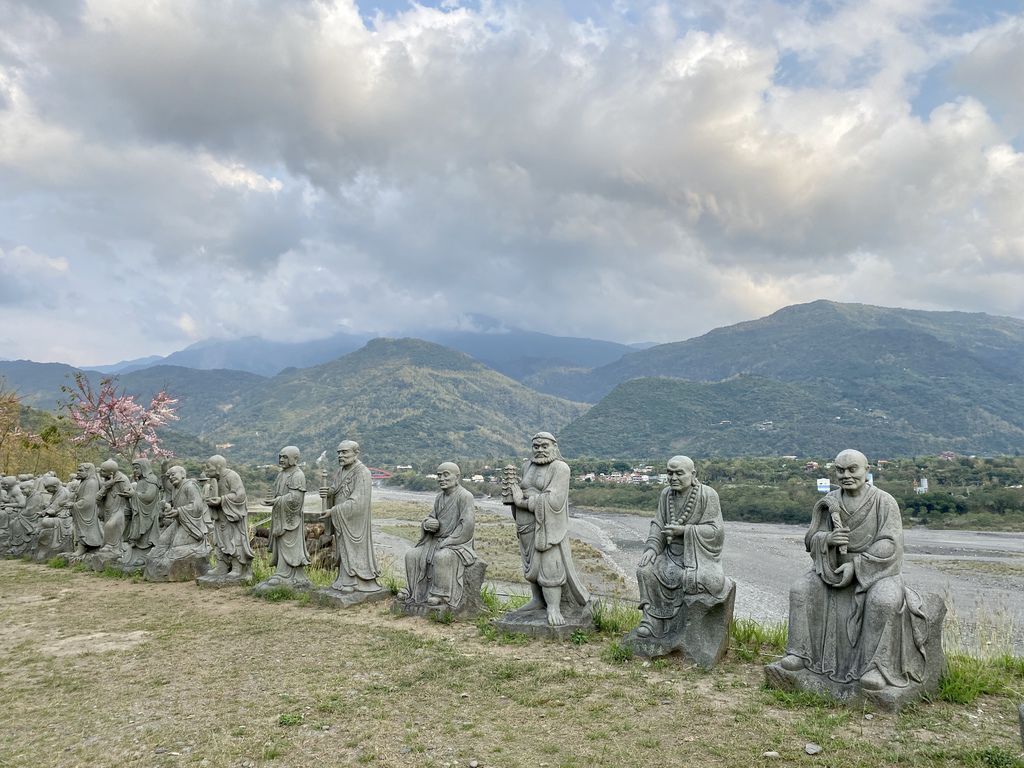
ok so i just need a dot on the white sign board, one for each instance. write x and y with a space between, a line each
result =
824 486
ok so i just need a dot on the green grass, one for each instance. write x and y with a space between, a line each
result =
752 640
614 618
969 677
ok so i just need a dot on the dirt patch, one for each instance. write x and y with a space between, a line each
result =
96 642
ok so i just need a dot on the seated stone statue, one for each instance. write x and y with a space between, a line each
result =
230 525
112 499
25 525
440 569
13 502
55 535
182 553
686 599
855 629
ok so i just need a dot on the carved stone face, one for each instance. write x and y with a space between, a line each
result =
82 472
680 475
210 470
347 455
176 475
447 477
543 450
288 457
136 470
851 472
106 473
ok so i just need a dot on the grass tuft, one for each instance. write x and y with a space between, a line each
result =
616 653
615 618
57 562
752 640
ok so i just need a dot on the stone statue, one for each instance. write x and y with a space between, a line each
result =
288 552
230 525
347 514
145 499
85 513
112 498
442 570
855 629
686 599
182 552
25 524
540 503
55 533
13 501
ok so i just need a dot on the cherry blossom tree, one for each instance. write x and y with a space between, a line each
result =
109 415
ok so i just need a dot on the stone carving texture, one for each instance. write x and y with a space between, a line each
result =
144 503
560 602
182 553
443 573
288 553
855 629
230 521
686 599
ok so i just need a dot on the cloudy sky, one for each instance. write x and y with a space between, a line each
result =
172 171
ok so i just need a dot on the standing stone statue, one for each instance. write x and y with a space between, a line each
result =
85 512
288 552
182 552
442 571
540 503
112 498
145 499
25 524
855 629
686 599
13 501
347 514
230 526
55 534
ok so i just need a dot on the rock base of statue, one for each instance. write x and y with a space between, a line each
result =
187 568
276 583
534 623
217 580
890 698
700 631
336 598
1020 717
472 603
103 558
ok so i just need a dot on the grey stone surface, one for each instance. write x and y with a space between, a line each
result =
85 513
699 630
540 505
471 605
144 503
229 518
347 516
337 599
436 569
534 621
287 543
1020 718
112 500
855 629
182 553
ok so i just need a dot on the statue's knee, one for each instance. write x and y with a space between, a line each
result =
885 597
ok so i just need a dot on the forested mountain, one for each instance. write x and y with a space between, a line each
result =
399 398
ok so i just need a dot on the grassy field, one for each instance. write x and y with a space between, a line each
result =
100 671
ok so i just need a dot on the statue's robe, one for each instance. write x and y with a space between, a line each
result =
143 530
112 498
25 525
184 534
687 564
875 622
231 518
543 529
348 502
287 529
55 522
436 566
85 512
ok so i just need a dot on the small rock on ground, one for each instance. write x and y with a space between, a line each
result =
812 748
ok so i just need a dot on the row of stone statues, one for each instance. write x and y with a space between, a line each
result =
855 629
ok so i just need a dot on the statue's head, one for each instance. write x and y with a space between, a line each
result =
681 472
140 468
448 475
348 452
51 483
215 465
545 448
8 482
26 486
85 469
108 469
176 475
288 457
26 477
851 470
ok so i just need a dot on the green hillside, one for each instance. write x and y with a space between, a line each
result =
399 399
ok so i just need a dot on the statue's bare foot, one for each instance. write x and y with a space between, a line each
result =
555 617
872 681
644 630
791 663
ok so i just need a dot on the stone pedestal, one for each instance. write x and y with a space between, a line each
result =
700 631
178 569
890 699
295 585
214 580
535 623
472 604
1020 717
103 558
335 598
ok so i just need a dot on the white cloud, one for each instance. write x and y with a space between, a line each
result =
633 175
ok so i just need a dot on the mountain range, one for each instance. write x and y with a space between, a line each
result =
806 380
